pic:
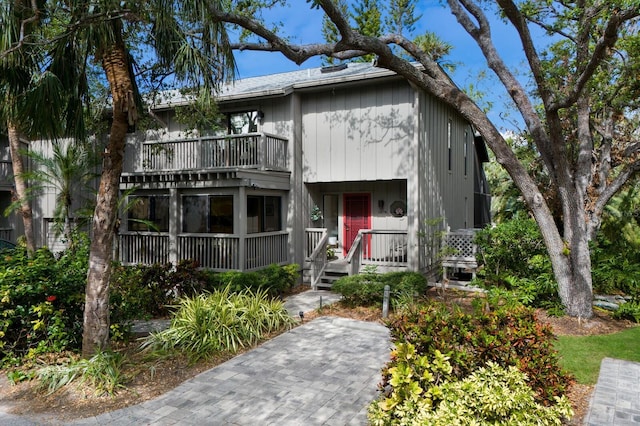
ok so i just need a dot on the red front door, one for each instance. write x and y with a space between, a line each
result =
357 216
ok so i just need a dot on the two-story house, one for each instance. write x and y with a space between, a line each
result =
352 158
349 160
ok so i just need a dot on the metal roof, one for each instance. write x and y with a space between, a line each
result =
284 83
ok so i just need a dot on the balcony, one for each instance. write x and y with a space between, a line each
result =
254 151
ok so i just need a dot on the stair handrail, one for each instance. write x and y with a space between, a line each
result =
318 259
354 257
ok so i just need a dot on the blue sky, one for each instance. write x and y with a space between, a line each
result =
303 25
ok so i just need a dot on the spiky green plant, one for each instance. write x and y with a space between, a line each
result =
103 372
221 321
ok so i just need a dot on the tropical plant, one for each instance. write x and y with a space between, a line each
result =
70 172
30 97
188 47
504 333
221 321
41 301
103 372
425 393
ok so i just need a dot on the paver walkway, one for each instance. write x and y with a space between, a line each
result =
616 398
324 372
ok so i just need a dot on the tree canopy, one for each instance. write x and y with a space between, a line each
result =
578 106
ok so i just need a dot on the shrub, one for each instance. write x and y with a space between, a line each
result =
102 372
367 288
508 335
615 267
503 249
514 257
41 300
221 321
628 311
275 279
139 292
425 392
148 291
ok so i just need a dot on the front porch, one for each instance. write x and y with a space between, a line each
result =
384 250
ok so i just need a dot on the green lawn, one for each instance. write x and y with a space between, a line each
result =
581 355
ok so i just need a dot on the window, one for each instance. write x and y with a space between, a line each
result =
203 214
466 151
221 214
263 214
148 213
449 153
243 122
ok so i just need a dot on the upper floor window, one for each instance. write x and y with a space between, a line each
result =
466 152
148 213
243 122
449 148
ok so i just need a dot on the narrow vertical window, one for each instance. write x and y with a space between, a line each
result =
449 153
466 151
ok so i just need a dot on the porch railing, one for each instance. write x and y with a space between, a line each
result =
387 248
312 239
253 150
5 233
218 251
6 173
222 252
316 253
145 248
266 249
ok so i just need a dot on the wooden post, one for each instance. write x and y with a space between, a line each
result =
241 214
385 301
174 224
262 150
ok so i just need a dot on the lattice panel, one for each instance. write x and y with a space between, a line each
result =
459 245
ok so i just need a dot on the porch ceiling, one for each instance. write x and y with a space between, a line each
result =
205 179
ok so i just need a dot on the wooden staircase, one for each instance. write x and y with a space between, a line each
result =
335 269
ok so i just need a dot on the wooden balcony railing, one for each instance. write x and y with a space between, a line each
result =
254 150
219 251
266 249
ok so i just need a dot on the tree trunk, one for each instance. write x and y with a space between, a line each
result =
96 313
21 187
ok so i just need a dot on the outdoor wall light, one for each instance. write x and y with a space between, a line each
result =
381 205
260 116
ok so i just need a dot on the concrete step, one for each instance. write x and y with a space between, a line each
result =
329 277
